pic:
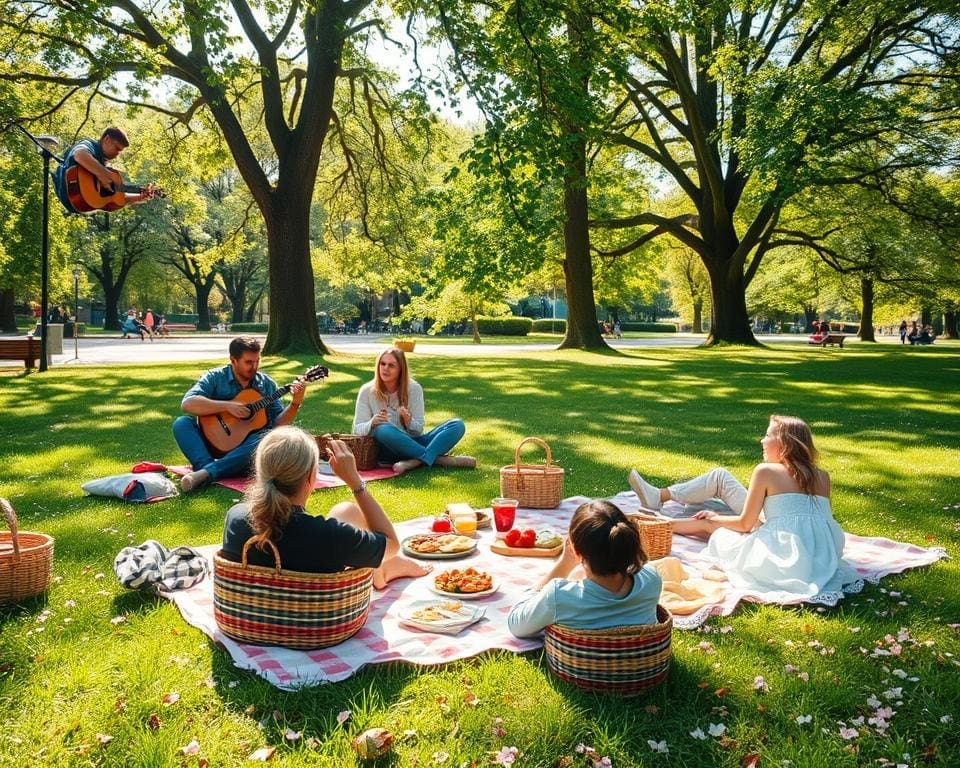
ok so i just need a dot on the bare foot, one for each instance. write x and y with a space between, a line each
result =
193 480
406 465
398 567
467 462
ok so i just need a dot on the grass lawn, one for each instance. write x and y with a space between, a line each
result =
79 688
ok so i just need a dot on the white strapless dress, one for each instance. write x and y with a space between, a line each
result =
798 550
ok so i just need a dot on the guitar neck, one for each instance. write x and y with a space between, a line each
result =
263 402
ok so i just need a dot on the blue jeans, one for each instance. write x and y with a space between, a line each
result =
394 444
236 463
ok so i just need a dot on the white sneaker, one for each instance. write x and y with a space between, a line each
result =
649 495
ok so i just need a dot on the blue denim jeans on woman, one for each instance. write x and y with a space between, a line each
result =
394 444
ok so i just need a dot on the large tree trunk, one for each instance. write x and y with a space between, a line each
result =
202 289
809 315
8 314
697 317
729 322
866 313
582 331
949 324
293 320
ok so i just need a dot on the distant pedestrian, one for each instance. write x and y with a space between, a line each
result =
617 330
903 331
148 320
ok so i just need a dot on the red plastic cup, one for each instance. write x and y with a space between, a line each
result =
504 513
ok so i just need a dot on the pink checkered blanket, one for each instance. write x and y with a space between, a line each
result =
323 481
384 639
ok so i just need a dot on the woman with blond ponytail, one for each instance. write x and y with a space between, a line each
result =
354 534
798 548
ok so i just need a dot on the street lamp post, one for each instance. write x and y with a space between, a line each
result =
76 313
45 146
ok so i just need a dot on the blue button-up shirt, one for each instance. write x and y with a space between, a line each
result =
221 384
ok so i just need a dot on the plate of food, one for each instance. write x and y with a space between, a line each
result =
438 546
466 584
529 542
446 616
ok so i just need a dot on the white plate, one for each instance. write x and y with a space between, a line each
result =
438 555
469 614
465 595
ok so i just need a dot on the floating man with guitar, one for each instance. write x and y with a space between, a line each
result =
229 410
84 183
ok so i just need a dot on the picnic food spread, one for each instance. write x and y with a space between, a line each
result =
438 545
543 542
438 611
447 543
467 581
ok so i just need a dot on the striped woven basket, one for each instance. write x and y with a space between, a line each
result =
270 606
621 660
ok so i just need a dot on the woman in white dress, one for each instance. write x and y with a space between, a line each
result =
798 548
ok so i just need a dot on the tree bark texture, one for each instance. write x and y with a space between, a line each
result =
950 324
866 311
582 331
293 320
8 314
729 321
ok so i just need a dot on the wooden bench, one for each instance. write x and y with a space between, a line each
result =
828 338
25 348
167 327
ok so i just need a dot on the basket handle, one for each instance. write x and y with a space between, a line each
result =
12 525
516 453
262 538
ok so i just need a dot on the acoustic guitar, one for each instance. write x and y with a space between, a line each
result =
86 194
224 432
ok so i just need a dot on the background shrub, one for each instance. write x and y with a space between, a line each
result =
549 325
504 326
249 327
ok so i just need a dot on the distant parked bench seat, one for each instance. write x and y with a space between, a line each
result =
823 339
167 327
25 348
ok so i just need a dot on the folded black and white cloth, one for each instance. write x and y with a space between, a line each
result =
151 566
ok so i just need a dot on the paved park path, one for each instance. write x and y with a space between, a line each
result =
112 350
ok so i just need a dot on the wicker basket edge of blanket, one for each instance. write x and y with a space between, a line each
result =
535 486
620 660
26 560
656 536
363 447
258 605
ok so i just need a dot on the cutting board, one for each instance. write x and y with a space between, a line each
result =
501 548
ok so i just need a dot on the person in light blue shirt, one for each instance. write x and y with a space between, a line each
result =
213 394
601 580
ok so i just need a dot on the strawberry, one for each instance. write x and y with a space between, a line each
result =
442 525
512 538
527 539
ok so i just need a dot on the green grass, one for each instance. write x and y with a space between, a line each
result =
887 421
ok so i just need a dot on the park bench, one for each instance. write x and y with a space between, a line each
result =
168 327
828 338
24 348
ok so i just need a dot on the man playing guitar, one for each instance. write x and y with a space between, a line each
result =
214 394
93 156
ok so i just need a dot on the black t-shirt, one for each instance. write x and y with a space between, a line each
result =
310 544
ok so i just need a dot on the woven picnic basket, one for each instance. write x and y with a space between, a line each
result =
535 486
271 606
26 560
363 448
621 660
656 535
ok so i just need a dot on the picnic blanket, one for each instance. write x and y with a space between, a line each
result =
323 481
383 639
